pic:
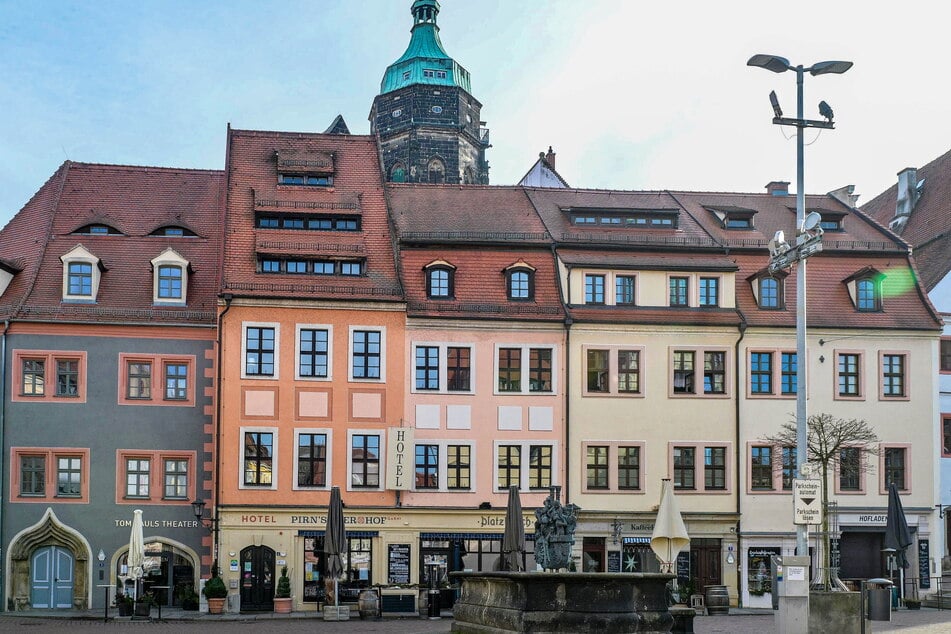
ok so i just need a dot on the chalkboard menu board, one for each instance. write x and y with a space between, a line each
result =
924 563
398 564
683 567
614 561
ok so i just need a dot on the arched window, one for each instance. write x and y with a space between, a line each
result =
437 171
520 283
398 173
867 294
440 280
769 292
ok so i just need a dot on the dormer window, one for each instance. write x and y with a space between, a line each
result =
305 168
520 282
623 218
173 231
440 280
169 278
81 274
305 179
865 290
831 223
732 217
768 290
98 230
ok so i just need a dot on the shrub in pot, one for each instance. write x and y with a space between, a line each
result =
282 594
215 591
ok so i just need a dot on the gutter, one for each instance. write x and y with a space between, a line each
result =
217 446
3 440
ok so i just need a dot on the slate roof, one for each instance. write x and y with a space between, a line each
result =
357 191
135 201
929 228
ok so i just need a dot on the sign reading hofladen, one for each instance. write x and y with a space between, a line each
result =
807 501
399 458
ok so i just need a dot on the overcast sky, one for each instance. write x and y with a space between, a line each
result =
631 94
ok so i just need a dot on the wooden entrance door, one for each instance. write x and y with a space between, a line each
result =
257 579
51 570
705 563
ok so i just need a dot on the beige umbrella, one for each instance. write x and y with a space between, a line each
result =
136 561
670 535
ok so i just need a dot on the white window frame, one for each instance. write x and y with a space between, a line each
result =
169 257
79 255
275 454
383 355
244 350
313 430
526 351
383 448
330 352
614 366
443 366
443 471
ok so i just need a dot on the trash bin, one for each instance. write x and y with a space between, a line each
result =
879 592
434 604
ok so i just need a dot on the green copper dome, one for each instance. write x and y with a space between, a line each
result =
425 61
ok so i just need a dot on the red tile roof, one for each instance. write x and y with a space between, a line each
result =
357 189
136 201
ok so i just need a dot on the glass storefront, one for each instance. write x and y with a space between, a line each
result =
357 566
165 565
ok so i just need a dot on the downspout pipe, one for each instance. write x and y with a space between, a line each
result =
228 297
738 386
3 442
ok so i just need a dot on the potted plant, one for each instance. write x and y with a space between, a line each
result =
143 605
282 595
124 604
215 591
187 597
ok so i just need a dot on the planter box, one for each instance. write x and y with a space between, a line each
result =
399 602
336 612
283 605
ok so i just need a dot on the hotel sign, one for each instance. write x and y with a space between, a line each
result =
399 458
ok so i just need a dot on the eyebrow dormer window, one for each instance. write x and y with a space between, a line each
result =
98 230
173 232
440 280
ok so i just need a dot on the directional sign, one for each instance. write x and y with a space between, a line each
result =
807 501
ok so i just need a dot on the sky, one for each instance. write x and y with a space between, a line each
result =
630 94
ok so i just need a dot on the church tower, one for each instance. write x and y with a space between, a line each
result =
425 117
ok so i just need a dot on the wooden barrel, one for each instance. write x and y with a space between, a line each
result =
717 600
369 604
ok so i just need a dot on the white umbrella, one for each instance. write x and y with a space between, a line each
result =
670 535
136 561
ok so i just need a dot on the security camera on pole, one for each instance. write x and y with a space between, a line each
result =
784 255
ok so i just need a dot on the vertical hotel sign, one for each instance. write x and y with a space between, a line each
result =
399 458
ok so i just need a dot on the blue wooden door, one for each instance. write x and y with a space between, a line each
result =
51 570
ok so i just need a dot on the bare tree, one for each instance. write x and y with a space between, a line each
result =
830 440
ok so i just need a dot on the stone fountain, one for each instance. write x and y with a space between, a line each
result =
558 601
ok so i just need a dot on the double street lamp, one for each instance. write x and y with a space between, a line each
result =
808 239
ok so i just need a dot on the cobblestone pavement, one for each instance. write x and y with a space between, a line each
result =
924 621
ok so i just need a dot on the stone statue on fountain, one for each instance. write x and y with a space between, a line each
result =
555 532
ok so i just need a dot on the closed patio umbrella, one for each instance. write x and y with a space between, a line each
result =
670 534
136 560
897 534
335 539
513 539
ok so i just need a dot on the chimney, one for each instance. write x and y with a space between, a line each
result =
777 188
845 195
550 158
907 192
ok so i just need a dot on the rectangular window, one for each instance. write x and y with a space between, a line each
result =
351 268
895 467
946 428
714 372
458 466
510 466
761 468
33 475
893 375
270 266
849 469
258 458
788 373
761 373
80 279
67 377
945 355
68 476
710 291
510 370
714 468
323 267
170 282
539 370
139 378
629 372
629 468
593 289
137 472
176 479
458 362
176 381
624 290
365 461
685 468
683 372
259 352
598 371
539 466
849 374
427 368
313 360
312 460
33 381
427 466
597 467
296 266
789 467
367 354
678 291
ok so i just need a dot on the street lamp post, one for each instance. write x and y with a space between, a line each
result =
808 239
